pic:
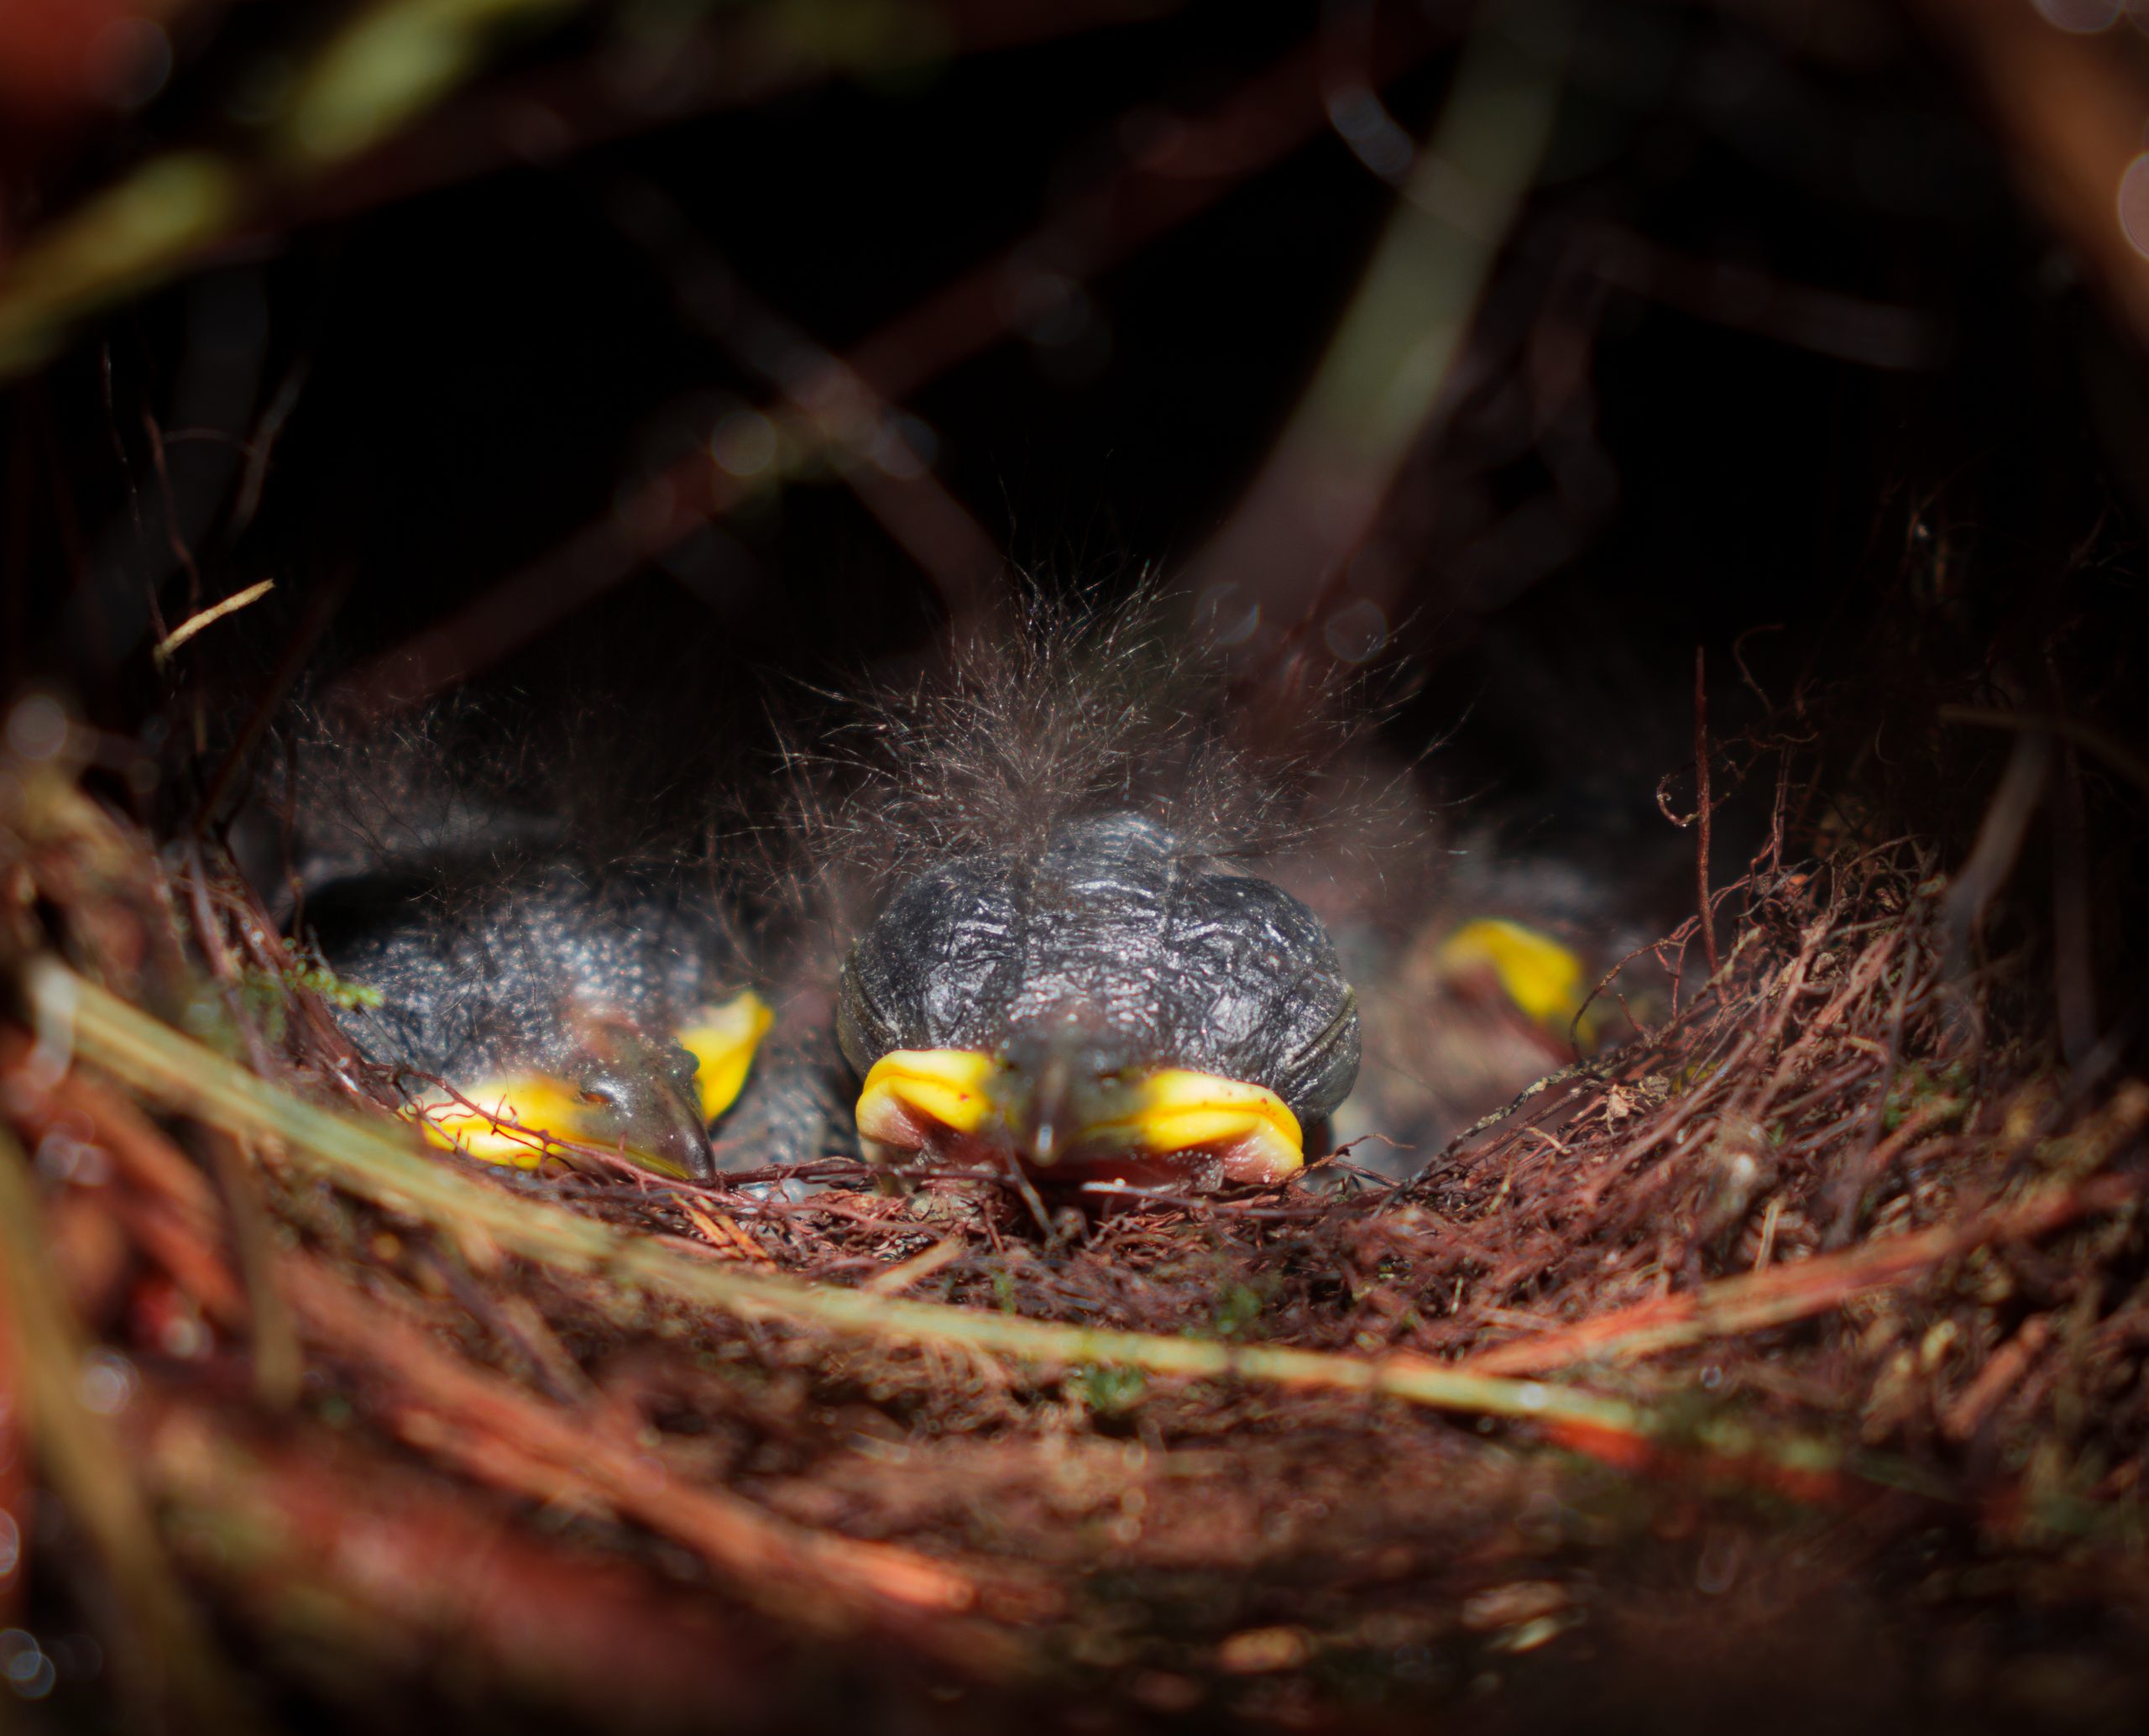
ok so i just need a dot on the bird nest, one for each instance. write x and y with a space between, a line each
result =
1792 1349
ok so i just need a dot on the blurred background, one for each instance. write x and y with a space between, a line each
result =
660 347
737 335
1624 389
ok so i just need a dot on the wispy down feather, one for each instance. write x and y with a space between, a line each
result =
1080 705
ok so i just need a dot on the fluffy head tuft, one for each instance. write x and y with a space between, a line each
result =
1077 707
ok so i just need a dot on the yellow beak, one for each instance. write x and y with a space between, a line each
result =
1543 980
723 1042
920 1099
544 1111
536 1105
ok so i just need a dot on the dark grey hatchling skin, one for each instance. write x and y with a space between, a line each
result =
541 969
1112 931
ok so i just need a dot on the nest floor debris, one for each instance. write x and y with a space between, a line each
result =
1807 1327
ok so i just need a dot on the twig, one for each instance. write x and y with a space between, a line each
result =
1702 806
320 1538
1847 1191
1962 1419
17 1543
493 1430
320 611
899 1277
2073 923
208 617
1390 359
2071 107
279 1368
366 121
828 406
1272 114
824 1579
1993 856
82 1461
158 1061
1786 1294
174 537
2113 752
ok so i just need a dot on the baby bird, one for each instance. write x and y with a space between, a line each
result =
528 925
1106 1005
546 1004
1063 968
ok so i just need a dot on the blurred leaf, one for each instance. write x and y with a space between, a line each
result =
389 65
125 238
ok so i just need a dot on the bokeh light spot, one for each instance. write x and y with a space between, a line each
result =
904 447
2134 204
37 728
744 443
132 58
108 1383
1356 632
24 1665
2080 18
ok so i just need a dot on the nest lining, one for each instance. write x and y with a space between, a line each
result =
1822 1264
